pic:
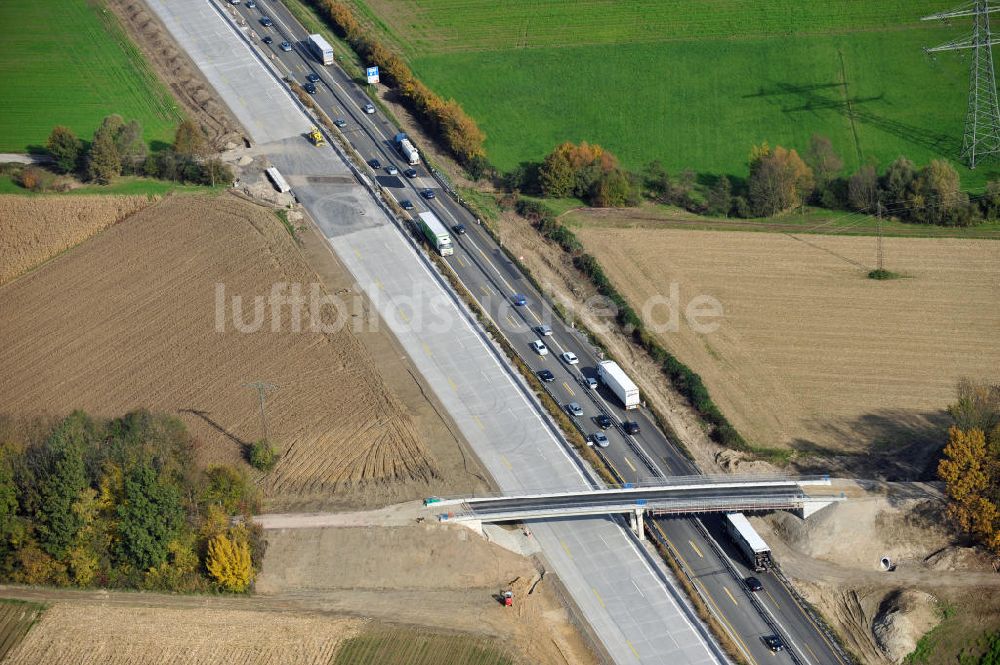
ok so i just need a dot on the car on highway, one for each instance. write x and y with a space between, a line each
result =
310 88
375 164
773 642
427 193
603 421
600 439
266 22
391 169
285 46
569 358
410 173
519 300
754 584
312 77
369 108
268 39
340 122
574 409
538 346
630 427
459 229
406 204
547 376
591 382
544 331
251 4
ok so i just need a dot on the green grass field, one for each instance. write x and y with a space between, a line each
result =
16 619
407 647
691 84
67 62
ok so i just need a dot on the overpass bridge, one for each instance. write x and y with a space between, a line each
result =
681 495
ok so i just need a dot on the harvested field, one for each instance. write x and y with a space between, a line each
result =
34 229
407 647
16 619
86 634
811 354
131 321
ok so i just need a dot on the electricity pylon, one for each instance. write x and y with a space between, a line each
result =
982 120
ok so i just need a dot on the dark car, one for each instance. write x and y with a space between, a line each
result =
603 421
375 164
410 173
754 584
312 77
519 300
547 376
459 229
286 46
427 193
773 642
310 88
340 122
630 427
251 4
406 204
268 39
266 22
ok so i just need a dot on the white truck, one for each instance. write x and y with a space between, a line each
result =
614 377
321 49
406 149
754 549
279 181
436 233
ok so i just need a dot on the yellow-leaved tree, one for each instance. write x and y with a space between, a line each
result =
966 473
228 560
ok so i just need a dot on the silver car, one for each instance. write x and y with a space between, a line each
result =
574 409
600 439
369 108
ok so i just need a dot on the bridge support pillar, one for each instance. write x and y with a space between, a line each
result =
635 521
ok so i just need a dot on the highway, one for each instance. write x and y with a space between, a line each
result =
493 280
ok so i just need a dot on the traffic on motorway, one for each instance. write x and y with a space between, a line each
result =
561 356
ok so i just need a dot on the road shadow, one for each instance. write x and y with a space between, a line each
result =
244 446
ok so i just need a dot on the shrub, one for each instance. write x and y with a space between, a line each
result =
263 455
229 561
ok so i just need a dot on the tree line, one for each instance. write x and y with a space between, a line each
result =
119 503
118 148
970 464
779 180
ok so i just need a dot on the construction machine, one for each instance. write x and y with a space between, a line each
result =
316 137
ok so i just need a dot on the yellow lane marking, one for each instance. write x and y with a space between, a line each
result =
632 648
462 262
730 594
506 462
732 631
378 283
453 385
568 389
630 465
428 351
696 550
614 469
402 315
357 253
511 319
599 599
479 422
485 290
563 543
772 599
810 650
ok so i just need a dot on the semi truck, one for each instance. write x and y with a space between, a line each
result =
754 549
436 233
406 149
614 377
321 49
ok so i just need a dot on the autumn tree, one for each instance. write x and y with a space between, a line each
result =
720 197
779 180
228 561
897 182
131 147
862 189
103 160
824 161
189 141
65 148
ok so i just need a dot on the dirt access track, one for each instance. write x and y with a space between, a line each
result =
810 354
129 319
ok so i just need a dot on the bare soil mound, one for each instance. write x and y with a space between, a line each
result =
33 229
94 634
130 320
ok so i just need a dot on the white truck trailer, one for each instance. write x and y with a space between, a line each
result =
436 233
754 549
321 49
406 149
614 377
279 181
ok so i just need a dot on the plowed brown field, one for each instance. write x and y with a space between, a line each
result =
812 354
33 229
92 634
129 320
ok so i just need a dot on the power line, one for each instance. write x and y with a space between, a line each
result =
982 119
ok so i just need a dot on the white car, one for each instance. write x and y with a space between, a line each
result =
569 358
545 331
601 439
391 169
369 108
540 348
